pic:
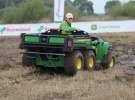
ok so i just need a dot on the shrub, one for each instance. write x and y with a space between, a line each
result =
116 11
32 10
127 10
1 13
26 12
9 14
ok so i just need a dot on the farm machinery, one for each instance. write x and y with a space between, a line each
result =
74 52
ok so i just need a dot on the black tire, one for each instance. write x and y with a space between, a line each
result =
109 60
27 61
70 66
89 60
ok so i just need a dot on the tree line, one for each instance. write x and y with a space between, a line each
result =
116 8
21 11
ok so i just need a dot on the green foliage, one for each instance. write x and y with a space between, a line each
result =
127 10
85 6
1 13
28 11
116 11
49 3
110 4
8 14
32 10
20 11
68 2
131 1
7 3
69 7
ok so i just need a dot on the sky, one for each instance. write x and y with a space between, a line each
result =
99 5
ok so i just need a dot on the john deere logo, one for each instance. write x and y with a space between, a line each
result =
94 27
2 29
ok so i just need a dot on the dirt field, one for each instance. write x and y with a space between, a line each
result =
22 83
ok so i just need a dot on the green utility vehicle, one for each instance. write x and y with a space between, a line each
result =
71 52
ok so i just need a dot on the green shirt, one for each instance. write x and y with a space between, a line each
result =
65 27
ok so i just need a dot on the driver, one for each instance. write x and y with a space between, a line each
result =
65 26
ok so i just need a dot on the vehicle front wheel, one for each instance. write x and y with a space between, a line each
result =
109 60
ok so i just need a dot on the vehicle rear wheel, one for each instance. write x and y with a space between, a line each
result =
90 60
109 60
73 63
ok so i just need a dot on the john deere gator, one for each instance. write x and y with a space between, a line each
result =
72 52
